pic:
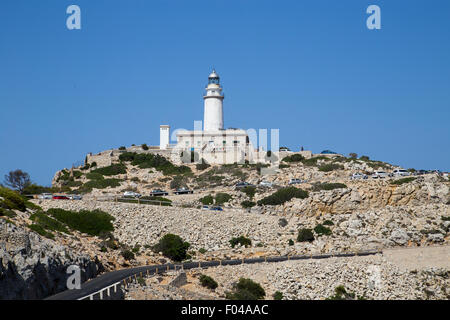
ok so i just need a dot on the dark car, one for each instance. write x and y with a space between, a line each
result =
216 208
158 192
240 185
183 191
59 197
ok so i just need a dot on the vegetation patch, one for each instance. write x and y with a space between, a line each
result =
294 158
403 180
277 295
48 223
247 204
328 186
283 195
160 163
330 167
12 200
321 230
208 282
243 241
305 235
246 289
222 197
173 247
41 231
91 222
112 170
249 191
98 184
207 200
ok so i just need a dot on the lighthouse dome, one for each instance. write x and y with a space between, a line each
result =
213 75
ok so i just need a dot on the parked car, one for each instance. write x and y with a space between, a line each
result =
183 191
401 173
380 174
158 192
60 197
75 197
240 185
131 194
205 207
295 181
358 175
45 196
216 208
266 184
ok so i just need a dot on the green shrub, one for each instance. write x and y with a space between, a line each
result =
94 176
41 231
112 170
278 295
144 146
249 191
122 148
330 167
178 182
403 180
247 204
37 189
342 294
222 197
173 247
48 223
312 162
12 200
208 282
202 250
243 241
246 289
91 222
364 158
141 281
322 230
127 255
328 186
443 218
98 184
202 166
283 166
283 195
7 213
305 235
282 222
294 158
206 200
291 242
328 223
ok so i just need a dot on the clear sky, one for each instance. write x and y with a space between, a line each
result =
310 68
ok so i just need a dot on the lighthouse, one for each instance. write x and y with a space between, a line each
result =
213 101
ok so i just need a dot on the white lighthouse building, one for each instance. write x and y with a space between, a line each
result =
214 144
213 114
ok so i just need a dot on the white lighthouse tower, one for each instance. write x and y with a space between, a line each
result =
213 114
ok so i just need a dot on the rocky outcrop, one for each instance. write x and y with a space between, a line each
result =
32 267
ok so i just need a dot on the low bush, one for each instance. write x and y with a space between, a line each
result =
282 222
144 146
246 289
202 166
403 180
249 191
208 282
202 250
48 223
328 223
173 247
94 176
328 186
41 231
291 242
91 222
12 200
293 158
322 230
330 167
122 148
247 204
127 255
7 213
243 241
98 184
222 198
283 195
305 235
277 295
112 170
207 200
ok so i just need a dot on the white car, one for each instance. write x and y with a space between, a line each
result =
401 173
266 184
358 175
380 174
45 196
131 194
75 197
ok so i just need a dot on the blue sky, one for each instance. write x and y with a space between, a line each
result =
310 68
